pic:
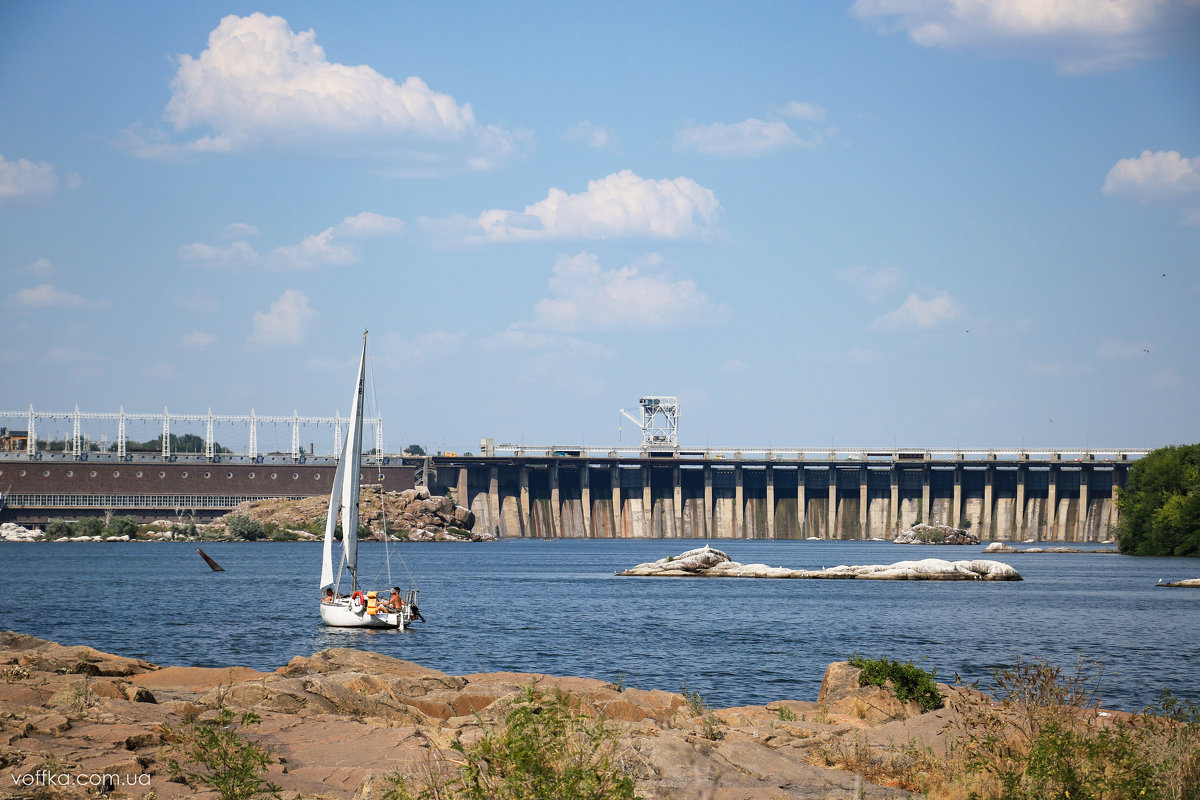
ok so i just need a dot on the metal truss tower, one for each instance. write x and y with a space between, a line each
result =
659 422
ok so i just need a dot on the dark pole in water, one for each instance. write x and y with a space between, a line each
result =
215 566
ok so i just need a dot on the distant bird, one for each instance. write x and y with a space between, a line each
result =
1164 274
1145 350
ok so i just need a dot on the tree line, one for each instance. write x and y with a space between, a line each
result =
1160 504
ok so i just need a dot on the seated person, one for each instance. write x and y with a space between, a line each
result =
328 596
393 603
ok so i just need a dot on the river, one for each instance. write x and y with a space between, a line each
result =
555 606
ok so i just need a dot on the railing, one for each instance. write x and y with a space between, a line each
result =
823 453
148 501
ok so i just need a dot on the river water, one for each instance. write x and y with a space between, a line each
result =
556 607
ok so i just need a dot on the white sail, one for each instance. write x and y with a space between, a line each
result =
351 464
331 516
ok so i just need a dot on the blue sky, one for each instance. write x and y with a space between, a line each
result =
871 223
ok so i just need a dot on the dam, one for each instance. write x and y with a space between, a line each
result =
771 494
655 489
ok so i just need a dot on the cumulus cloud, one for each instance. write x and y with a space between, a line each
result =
620 205
921 314
259 83
636 296
240 230
46 296
1154 175
326 248
804 111
286 321
24 180
1082 35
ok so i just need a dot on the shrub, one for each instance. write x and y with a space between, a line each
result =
214 755
242 527
909 681
543 749
123 526
1046 737
57 529
89 526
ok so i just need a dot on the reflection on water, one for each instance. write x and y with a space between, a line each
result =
533 607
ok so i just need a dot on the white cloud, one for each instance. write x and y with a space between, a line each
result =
320 249
46 296
286 321
197 339
637 296
915 313
236 254
240 230
259 83
1154 175
40 267
590 135
397 351
874 283
753 137
804 111
24 180
1082 35
368 223
619 205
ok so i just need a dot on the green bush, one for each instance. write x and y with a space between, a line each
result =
909 681
89 526
542 750
1160 504
57 529
215 756
123 526
239 526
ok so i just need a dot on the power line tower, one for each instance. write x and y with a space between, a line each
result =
659 422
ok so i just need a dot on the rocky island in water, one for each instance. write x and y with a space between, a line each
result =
708 562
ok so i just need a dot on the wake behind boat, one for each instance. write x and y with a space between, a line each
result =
358 608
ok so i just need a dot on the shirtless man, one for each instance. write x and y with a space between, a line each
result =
395 602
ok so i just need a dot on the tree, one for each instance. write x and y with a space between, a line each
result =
1160 504
416 449
89 526
123 526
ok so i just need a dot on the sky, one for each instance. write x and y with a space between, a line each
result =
871 223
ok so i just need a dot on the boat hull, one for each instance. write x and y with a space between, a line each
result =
341 615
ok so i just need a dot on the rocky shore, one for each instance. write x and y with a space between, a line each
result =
708 562
338 722
1001 547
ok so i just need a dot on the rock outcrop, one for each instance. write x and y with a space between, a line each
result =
1187 583
923 533
709 563
12 532
337 723
413 513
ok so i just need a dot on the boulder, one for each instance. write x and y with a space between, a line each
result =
693 564
923 533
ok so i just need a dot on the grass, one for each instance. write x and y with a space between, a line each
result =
542 749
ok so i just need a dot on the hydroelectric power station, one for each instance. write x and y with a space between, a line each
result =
653 489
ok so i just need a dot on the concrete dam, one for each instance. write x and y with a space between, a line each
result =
573 494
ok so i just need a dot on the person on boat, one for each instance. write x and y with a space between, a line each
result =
328 596
395 602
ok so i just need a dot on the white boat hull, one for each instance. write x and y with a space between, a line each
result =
339 614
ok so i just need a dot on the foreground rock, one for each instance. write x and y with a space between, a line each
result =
922 533
412 513
338 722
710 563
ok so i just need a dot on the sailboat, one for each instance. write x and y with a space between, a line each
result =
358 608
